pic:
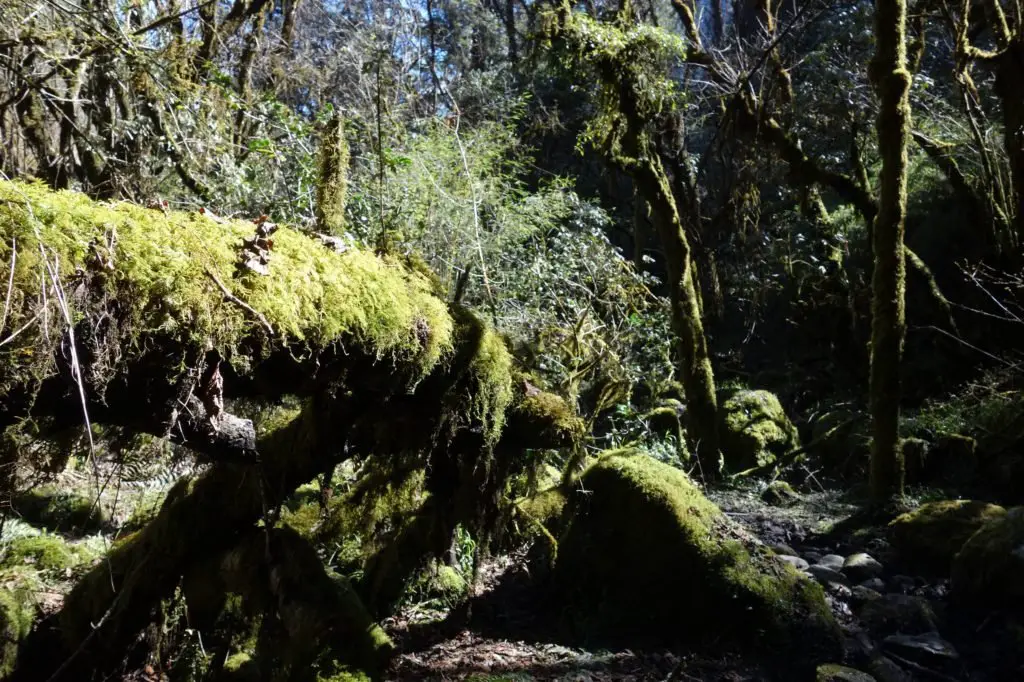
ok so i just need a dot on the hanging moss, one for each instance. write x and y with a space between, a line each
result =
332 185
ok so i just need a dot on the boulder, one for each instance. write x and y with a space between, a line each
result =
928 537
644 555
988 568
897 613
60 510
754 429
826 574
861 566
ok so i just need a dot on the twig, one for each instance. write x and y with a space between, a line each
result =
231 298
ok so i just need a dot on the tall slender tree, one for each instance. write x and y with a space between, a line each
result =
891 81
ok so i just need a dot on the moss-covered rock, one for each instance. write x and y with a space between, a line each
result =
988 569
779 494
48 553
61 510
928 537
440 584
645 554
831 672
754 429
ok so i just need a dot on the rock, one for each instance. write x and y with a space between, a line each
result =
895 613
825 575
811 556
783 549
17 613
642 545
987 571
839 591
876 584
901 583
60 510
754 429
834 561
860 567
886 670
840 673
859 595
796 562
780 494
929 537
926 649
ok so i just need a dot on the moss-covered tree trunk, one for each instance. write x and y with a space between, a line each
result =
694 361
892 82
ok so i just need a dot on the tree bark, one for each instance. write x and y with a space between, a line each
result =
891 80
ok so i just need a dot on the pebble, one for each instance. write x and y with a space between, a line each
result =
796 562
861 566
825 575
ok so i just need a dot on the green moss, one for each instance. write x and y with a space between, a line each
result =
147 506
754 429
305 520
240 667
644 553
60 510
928 537
160 277
832 672
780 494
441 584
16 617
47 553
988 567
491 367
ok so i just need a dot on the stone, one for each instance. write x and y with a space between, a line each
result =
876 584
861 566
754 429
929 537
897 613
927 649
825 575
901 583
635 527
839 591
834 561
832 672
886 670
783 549
796 562
859 594
812 556
779 494
988 569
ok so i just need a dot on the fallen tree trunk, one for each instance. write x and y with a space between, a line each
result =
149 320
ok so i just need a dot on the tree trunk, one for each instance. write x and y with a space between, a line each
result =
693 357
892 82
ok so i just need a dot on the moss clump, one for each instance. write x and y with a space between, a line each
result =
306 520
988 568
645 554
754 429
928 537
440 584
160 275
46 552
60 510
240 667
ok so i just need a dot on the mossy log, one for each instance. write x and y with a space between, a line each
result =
165 325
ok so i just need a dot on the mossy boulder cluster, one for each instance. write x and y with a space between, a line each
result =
929 537
60 510
754 429
644 552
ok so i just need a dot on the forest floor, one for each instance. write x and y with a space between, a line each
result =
506 632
